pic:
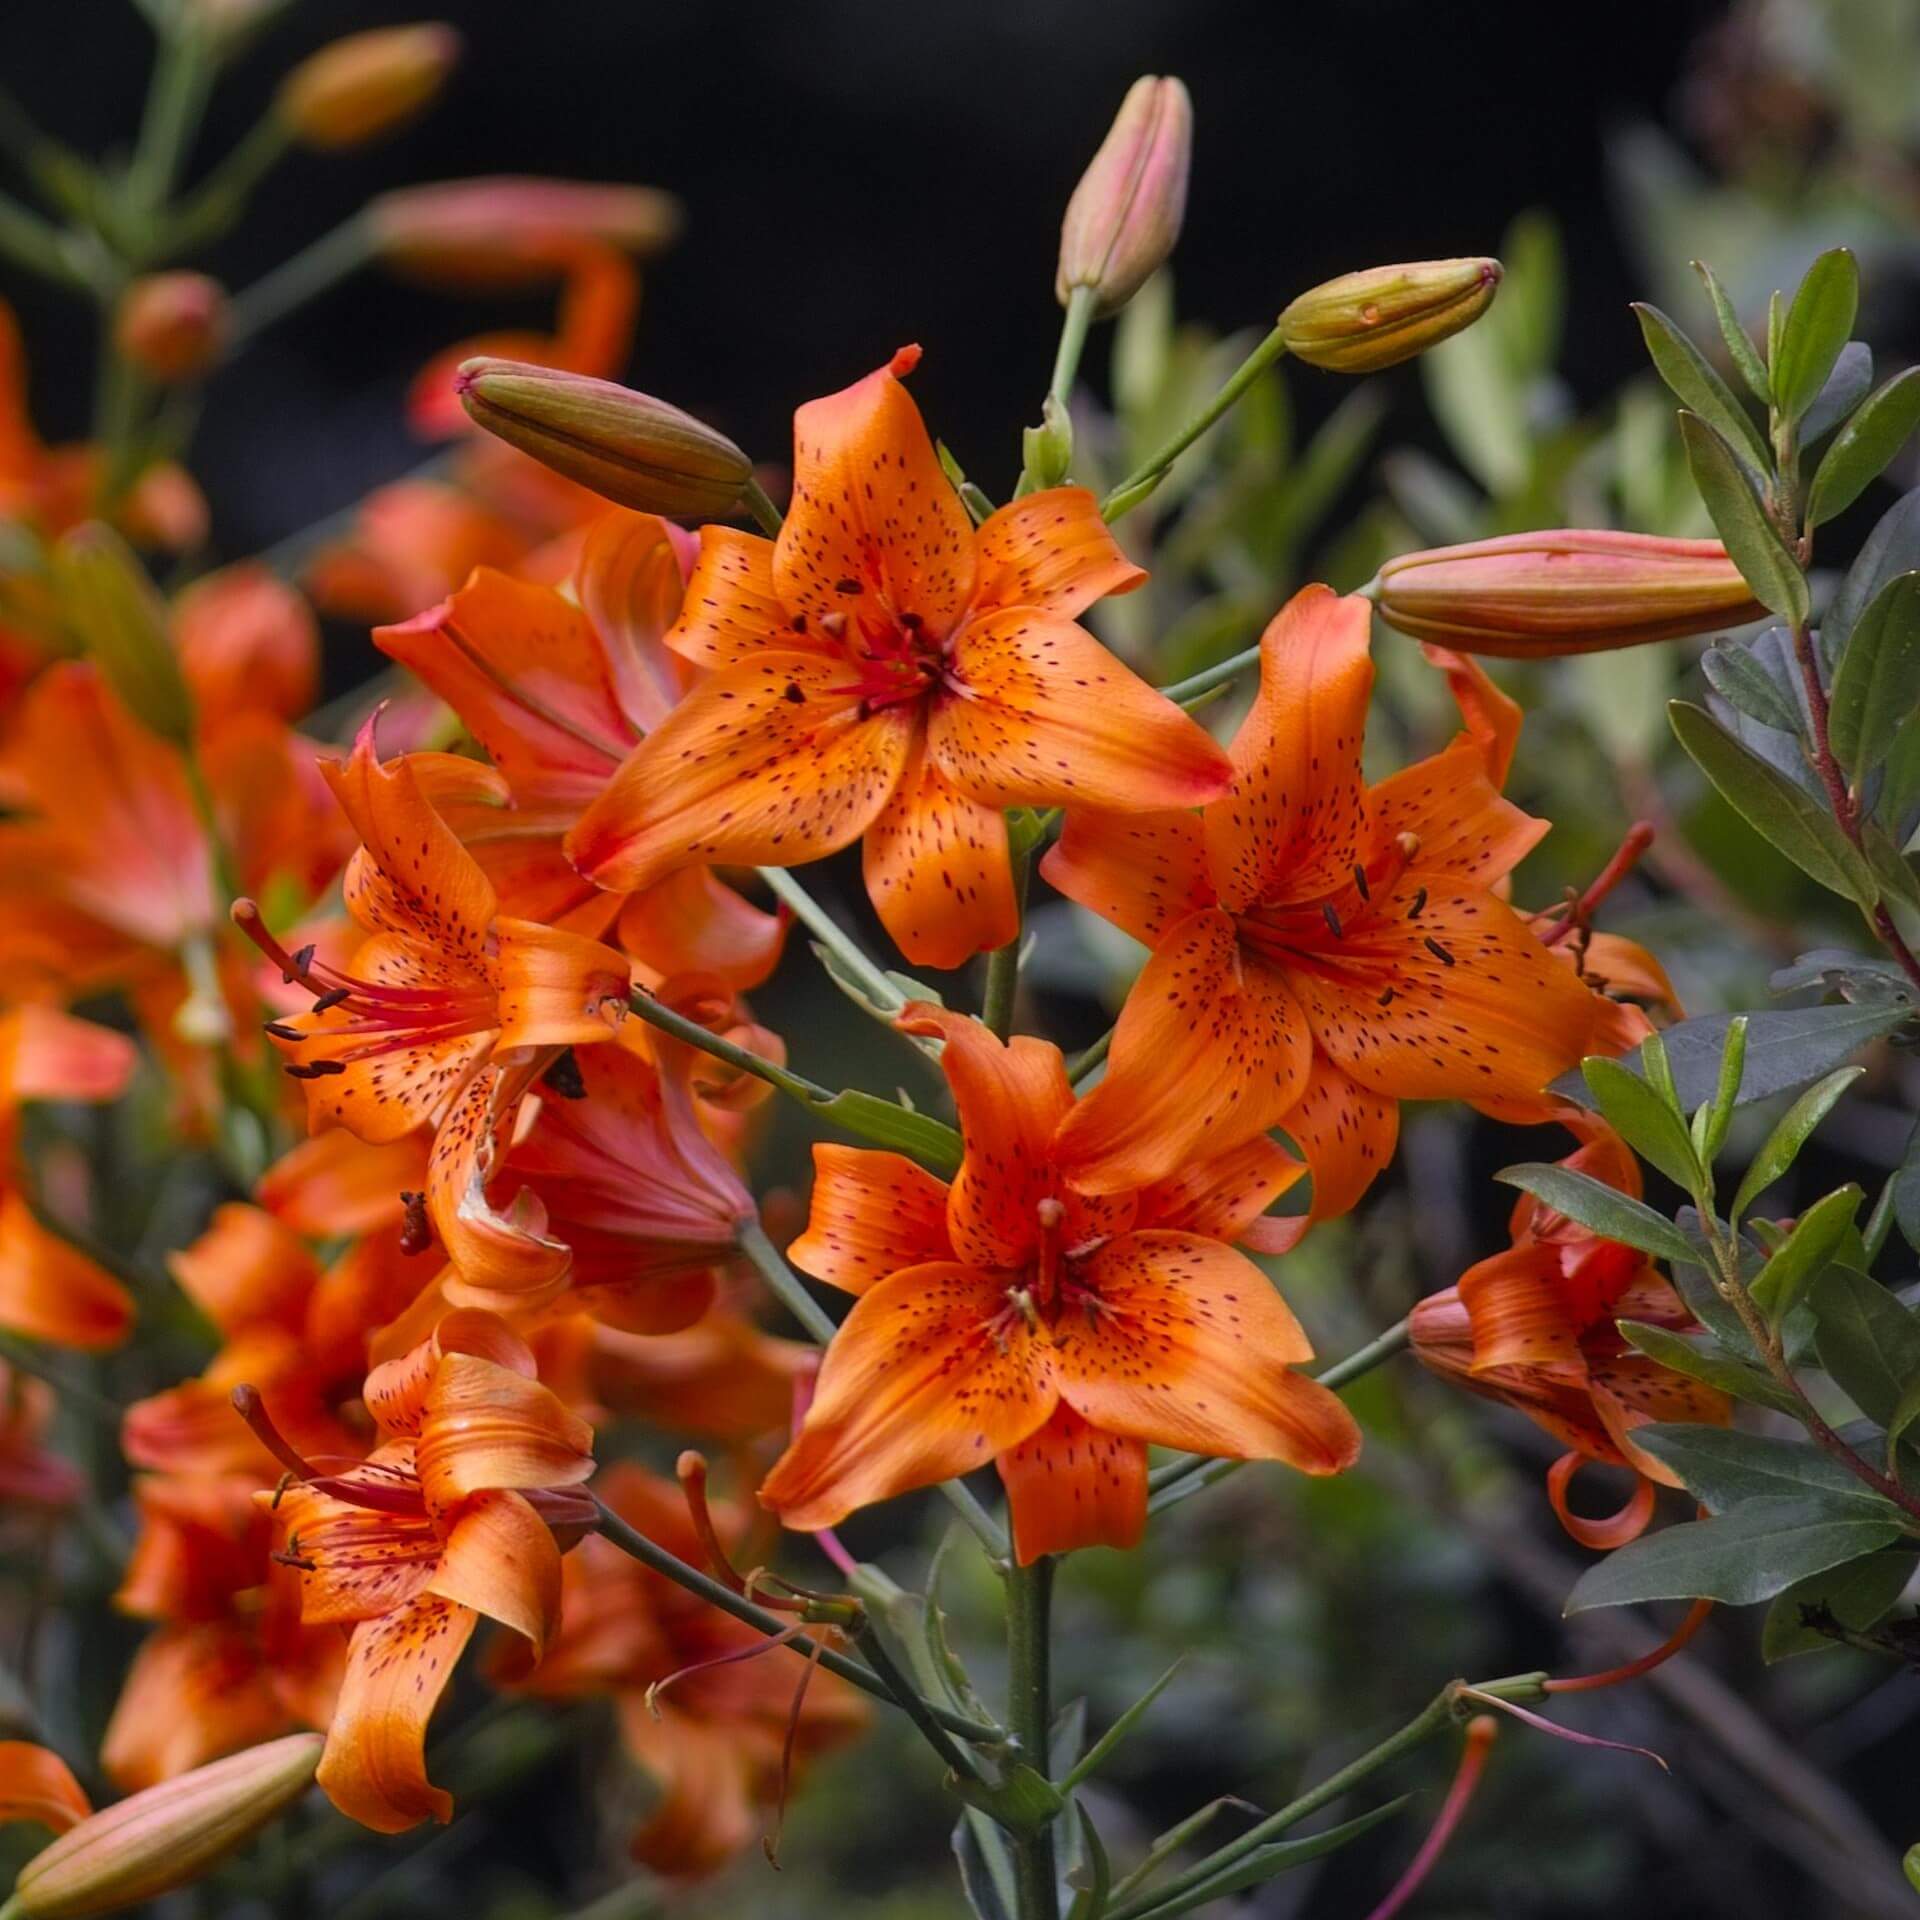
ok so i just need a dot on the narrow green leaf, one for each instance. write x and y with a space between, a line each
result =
1749 1553
1740 347
1710 1367
1752 542
1611 1214
1726 1092
1866 1340
893 1126
1877 682
1690 375
1092 1883
1847 385
1264 1862
1780 810
1721 1467
1776 326
1818 325
1097 1754
1863 448
1791 1132
1740 680
1858 1595
1892 547
1652 1128
1817 1237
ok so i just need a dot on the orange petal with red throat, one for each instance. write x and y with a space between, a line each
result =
374 1769
1034 711
875 530
488 1428
557 989
501 1560
51 1291
1185 1343
937 869
694 922
37 1785
1050 550
1010 1095
1145 872
1346 1135
1210 1049
1444 994
933 1373
769 763
1632 1390
1072 1486
1295 821
872 1214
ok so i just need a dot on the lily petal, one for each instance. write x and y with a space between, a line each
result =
1225 1194
51 1291
489 1428
1346 1133
1051 550
501 1560
36 1784
631 580
872 1214
1145 872
733 612
1451 807
693 922
1071 1485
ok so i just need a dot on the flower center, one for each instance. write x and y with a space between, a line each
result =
1316 931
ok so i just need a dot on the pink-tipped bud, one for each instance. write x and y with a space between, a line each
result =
627 447
366 84
1527 595
1364 321
165 1837
1125 214
172 326
506 225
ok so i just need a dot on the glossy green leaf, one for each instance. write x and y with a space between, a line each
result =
1752 541
1739 679
1721 1467
1864 447
1819 1235
1708 1365
1740 347
1747 1554
1893 547
1780 810
1715 1116
1818 325
1790 1133
1643 1119
1697 387
1876 684
985 1858
1611 1214
889 1125
1866 1340
1859 1595
1847 385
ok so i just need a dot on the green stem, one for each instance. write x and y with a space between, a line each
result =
22 1354
1152 470
1438 1713
910 1701
762 508
670 1566
1003 964
1073 341
1030 1720
883 991
30 242
310 273
1197 686
222 198
1092 1058
182 76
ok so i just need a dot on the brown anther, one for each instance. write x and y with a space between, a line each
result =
280 1032
1386 997
331 999
1417 904
1360 881
846 586
416 1230
1332 919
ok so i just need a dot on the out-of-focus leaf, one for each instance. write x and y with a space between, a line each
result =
1862 977
1738 677
1816 1238
1864 446
1791 1132
1697 387
1721 1467
1876 684
1892 547
1752 541
1783 813
1846 387
1608 1212
1481 405
1090 1880
986 1867
1740 347
1709 1367
1749 1553
1818 324
1866 1340
1076 1770
1858 1596
1906 1192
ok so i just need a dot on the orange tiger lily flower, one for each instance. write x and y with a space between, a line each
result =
1321 948
885 668
713 1740
454 1515
1535 1327
230 1663
1012 1318
559 693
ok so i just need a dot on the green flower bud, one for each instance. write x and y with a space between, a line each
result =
1362 322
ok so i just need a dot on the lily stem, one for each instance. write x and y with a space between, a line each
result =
1073 342
1030 1720
1003 964
311 272
753 496
883 991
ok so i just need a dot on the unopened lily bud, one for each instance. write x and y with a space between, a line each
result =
366 84
172 326
1364 321
485 229
1568 591
1125 214
107 599
165 1837
627 447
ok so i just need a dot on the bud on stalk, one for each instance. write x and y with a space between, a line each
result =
484 228
1125 214
107 599
165 1837
172 326
1533 595
366 84
627 447
1362 322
